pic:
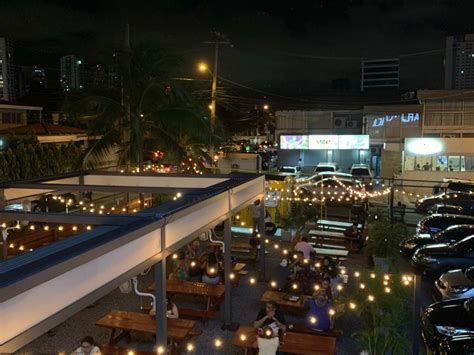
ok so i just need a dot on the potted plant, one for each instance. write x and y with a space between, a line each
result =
383 243
287 223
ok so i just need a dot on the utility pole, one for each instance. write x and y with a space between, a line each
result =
219 39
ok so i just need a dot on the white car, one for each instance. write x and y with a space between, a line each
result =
322 167
333 190
362 172
320 176
455 284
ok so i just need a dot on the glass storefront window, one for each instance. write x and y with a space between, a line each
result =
439 163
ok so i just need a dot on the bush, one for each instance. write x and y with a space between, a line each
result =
384 239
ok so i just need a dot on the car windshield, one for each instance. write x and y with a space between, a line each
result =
452 232
360 172
320 169
469 273
465 245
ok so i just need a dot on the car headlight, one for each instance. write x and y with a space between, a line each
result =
410 245
459 289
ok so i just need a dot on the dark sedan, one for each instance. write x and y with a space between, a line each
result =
443 320
456 198
457 344
450 235
435 259
438 222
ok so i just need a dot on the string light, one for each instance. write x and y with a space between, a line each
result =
243 337
352 305
273 284
217 343
370 298
88 228
190 347
362 286
252 281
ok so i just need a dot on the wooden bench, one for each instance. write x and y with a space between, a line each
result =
116 350
301 328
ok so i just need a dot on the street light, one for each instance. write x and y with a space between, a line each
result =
203 67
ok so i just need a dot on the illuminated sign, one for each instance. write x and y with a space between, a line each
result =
404 118
423 146
325 142
294 142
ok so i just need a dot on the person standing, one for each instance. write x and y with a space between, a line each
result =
255 215
305 247
300 164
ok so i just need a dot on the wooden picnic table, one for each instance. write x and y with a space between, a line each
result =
290 342
279 298
333 224
322 235
211 292
126 322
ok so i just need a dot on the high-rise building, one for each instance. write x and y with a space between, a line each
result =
459 63
72 73
7 75
380 73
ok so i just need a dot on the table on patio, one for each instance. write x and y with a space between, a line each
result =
281 299
335 225
210 292
126 322
290 342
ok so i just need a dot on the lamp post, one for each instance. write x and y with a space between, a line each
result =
203 67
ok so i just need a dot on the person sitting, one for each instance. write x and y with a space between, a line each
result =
353 232
306 278
318 317
171 309
181 267
326 287
88 347
212 269
269 322
296 265
328 267
270 227
305 247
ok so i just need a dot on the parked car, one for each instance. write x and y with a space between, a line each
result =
334 190
437 222
457 344
362 173
321 167
323 175
289 171
458 283
434 259
449 185
53 203
449 235
456 198
443 208
443 320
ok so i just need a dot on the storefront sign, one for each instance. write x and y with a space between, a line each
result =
325 142
424 146
403 117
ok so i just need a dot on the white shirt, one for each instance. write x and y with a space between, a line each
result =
94 351
256 211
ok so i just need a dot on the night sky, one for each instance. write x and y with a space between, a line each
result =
295 47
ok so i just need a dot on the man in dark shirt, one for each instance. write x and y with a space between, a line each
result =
270 316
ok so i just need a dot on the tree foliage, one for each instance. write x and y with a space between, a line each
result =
35 160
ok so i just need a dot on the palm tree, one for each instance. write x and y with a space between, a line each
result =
148 115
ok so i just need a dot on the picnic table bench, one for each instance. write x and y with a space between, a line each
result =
338 237
301 328
212 293
335 225
126 322
290 342
337 253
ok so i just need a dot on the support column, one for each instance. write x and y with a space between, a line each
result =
261 230
227 280
416 313
160 295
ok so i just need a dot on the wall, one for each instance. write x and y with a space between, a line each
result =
429 178
391 162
